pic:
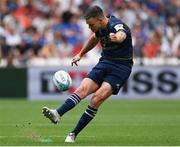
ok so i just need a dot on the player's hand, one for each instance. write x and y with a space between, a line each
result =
75 60
113 37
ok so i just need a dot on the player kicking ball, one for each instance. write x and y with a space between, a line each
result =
108 75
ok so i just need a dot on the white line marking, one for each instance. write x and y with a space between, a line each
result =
52 136
86 146
98 124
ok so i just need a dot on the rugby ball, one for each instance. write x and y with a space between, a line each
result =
62 80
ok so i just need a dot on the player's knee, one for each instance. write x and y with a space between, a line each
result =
82 91
97 99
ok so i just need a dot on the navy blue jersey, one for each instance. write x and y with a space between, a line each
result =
112 50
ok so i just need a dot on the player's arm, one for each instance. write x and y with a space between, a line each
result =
90 44
118 37
120 33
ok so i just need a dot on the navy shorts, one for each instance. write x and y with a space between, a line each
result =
112 72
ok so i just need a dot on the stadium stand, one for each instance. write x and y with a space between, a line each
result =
49 32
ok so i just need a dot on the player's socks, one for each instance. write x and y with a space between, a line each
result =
70 103
87 116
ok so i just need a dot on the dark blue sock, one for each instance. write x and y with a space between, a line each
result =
87 116
70 103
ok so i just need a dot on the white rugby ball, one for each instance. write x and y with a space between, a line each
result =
62 80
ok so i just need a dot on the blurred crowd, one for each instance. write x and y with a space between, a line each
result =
43 29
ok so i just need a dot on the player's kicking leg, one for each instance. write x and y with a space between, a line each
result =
87 87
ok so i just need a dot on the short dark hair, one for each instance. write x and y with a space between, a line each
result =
94 12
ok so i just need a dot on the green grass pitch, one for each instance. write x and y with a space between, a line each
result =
117 123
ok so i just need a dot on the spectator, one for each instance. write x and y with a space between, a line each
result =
152 46
29 26
6 51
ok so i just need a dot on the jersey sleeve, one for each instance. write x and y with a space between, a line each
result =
119 27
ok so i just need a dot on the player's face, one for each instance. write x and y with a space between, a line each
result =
94 24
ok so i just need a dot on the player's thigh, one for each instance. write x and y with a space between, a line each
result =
118 77
101 95
86 87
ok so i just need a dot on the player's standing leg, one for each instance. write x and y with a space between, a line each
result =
98 98
87 87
